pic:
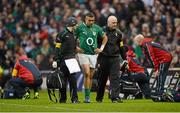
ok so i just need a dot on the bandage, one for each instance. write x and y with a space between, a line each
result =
54 64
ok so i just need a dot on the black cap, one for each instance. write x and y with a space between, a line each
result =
71 21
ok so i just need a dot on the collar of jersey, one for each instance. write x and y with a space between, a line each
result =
66 29
87 26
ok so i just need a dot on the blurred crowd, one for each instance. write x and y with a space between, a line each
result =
34 24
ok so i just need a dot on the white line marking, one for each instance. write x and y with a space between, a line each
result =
47 107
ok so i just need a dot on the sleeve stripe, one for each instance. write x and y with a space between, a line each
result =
14 73
58 45
121 44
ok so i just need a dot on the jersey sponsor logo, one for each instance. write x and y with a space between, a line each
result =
89 41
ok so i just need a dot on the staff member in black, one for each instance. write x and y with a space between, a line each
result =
65 49
109 61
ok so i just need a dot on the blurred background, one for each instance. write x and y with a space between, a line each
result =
34 24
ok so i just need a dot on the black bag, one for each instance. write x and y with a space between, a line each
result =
13 91
128 87
54 80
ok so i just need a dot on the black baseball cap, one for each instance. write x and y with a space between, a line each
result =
71 21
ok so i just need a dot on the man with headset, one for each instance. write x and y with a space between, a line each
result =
65 51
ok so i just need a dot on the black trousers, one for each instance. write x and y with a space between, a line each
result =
163 71
108 67
23 84
143 82
72 83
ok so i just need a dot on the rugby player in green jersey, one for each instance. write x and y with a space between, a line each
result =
87 33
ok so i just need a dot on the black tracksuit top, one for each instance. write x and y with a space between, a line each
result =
112 48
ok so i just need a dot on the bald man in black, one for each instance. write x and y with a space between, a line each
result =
109 61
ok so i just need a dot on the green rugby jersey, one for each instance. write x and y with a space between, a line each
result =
88 37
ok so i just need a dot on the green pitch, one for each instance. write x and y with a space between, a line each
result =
43 104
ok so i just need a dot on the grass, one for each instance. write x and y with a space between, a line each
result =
43 104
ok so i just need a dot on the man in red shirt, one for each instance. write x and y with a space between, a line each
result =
158 57
138 73
26 74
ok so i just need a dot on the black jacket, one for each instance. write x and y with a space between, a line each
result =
113 47
68 45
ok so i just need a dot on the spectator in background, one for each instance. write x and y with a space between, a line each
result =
20 17
146 30
6 63
159 59
3 52
2 30
26 74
